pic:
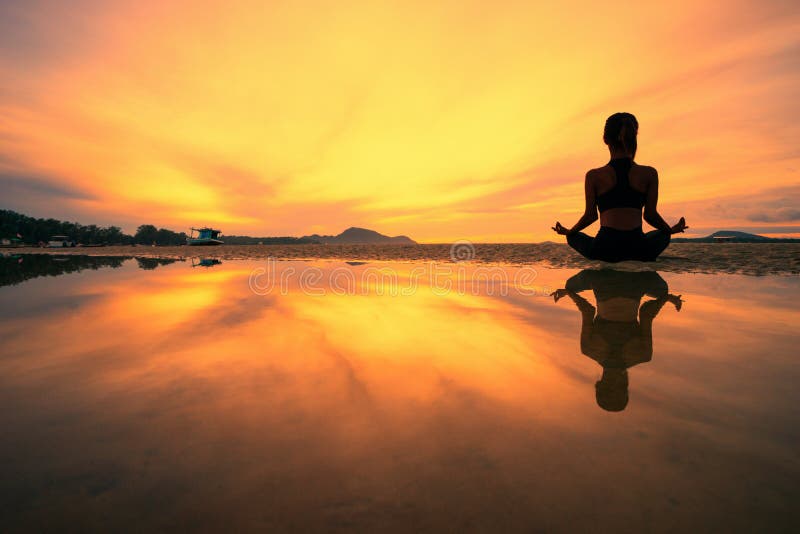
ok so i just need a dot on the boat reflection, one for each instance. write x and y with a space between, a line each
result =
205 262
618 332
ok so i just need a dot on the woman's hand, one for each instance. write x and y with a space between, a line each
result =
679 227
560 229
675 300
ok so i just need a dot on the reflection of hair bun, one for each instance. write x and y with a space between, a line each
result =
611 391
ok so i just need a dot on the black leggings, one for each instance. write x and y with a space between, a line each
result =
615 245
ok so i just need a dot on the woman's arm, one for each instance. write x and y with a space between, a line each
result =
590 212
647 314
587 318
651 215
584 306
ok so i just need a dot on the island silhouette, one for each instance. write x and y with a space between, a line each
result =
355 235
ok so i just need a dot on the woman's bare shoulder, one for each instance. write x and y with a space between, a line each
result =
646 169
599 171
644 175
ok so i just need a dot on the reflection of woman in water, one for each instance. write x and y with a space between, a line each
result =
620 334
619 191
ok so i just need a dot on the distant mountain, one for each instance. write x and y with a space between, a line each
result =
734 236
738 235
354 235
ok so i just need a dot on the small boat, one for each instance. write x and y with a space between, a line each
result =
205 236
60 241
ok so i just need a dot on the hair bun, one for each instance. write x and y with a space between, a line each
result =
620 131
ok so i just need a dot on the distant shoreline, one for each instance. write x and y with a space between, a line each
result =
731 258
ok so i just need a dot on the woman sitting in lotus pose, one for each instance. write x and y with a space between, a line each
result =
620 191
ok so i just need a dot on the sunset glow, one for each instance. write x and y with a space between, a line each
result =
440 121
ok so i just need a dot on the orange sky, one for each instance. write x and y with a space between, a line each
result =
438 120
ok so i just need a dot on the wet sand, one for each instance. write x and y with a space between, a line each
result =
146 395
732 258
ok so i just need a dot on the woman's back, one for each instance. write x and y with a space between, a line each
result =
620 199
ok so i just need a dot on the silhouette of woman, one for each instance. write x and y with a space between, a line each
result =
619 191
620 334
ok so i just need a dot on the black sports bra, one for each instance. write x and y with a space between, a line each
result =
622 195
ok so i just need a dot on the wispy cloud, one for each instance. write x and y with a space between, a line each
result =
775 215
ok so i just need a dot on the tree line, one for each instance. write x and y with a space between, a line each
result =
17 269
30 230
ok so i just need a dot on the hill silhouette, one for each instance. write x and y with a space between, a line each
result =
355 235
736 237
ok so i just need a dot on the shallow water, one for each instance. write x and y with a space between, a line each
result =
731 258
255 395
